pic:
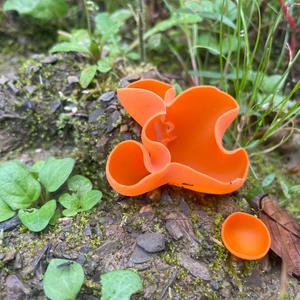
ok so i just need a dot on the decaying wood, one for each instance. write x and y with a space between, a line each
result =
285 233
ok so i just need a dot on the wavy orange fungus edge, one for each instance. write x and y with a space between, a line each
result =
181 141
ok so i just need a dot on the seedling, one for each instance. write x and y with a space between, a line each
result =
63 279
28 190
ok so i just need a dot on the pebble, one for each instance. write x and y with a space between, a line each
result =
139 256
109 247
55 105
108 96
72 79
15 289
95 114
10 224
173 228
49 59
151 242
197 269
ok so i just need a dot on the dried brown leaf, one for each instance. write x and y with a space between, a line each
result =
284 231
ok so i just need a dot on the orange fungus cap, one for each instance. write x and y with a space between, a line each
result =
246 236
181 141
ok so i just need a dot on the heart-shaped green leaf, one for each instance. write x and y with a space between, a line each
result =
5 211
79 202
90 199
55 172
79 183
120 285
18 188
63 279
37 219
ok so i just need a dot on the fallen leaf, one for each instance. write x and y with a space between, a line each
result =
284 231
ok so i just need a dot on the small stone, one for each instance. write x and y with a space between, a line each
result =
197 269
10 255
123 128
15 289
139 256
3 79
174 229
87 230
10 224
152 242
108 96
95 114
184 207
149 292
30 89
109 247
114 120
132 77
72 79
49 59
55 105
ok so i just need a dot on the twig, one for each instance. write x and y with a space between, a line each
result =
140 24
169 283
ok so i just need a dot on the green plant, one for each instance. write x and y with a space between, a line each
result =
63 279
120 285
83 197
104 47
28 190
40 9
223 43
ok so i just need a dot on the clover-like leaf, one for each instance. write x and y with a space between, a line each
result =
120 285
63 279
37 219
90 199
18 188
79 183
79 202
5 211
55 172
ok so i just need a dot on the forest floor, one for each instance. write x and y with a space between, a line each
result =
43 112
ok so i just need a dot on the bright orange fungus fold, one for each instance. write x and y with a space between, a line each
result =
181 141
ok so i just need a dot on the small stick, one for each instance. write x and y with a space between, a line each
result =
169 283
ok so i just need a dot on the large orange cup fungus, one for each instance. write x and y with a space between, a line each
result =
181 141
246 236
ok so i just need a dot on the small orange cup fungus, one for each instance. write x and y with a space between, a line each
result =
181 141
246 236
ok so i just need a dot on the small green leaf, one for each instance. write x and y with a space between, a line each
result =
87 75
55 172
268 180
18 188
120 285
79 183
270 82
79 202
294 189
90 199
105 64
40 9
69 201
37 219
5 211
36 167
69 47
106 26
63 279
